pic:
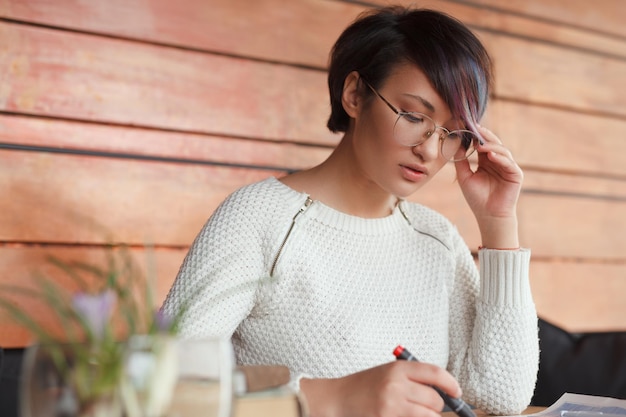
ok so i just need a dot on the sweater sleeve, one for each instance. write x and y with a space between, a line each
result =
216 284
494 350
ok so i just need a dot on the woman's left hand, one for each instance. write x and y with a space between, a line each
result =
492 190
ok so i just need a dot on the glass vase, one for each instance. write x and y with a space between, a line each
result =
167 377
150 374
60 381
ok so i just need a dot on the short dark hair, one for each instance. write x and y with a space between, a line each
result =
451 56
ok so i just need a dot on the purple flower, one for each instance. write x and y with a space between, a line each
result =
96 310
163 321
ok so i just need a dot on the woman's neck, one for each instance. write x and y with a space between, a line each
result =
338 183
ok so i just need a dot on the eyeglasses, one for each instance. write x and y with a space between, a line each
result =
414 128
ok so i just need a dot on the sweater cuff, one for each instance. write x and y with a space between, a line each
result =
504 277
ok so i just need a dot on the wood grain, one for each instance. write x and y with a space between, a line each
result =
69 75
580 296
557 77
608 18
57 135
299 32
559 140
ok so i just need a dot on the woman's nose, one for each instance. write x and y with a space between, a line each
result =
428 148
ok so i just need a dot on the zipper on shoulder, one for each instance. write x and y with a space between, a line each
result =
406 217
408 220
304 207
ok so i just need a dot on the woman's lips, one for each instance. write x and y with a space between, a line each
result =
413 173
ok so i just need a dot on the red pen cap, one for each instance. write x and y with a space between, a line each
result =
397 352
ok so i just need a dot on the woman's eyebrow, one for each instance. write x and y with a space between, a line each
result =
422 100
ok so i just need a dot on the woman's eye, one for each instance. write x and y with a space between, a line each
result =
414 118
465 138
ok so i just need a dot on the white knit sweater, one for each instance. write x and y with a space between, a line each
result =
344 291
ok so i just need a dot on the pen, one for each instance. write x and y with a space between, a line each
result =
456 404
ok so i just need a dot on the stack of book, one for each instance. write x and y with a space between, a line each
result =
261 391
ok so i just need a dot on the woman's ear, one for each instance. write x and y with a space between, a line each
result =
350 97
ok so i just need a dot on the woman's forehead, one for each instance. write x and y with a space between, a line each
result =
409 81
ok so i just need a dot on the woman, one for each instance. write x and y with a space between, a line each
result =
328 269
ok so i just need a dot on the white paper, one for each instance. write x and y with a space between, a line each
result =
578 405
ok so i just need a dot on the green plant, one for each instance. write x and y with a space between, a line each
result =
107 306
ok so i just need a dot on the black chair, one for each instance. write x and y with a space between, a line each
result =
579 363
10 368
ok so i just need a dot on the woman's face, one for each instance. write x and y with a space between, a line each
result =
397 169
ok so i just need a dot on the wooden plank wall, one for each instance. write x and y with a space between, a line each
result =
129 121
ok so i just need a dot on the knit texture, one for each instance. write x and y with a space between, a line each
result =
345 291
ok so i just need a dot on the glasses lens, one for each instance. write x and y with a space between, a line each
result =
458 145
413 128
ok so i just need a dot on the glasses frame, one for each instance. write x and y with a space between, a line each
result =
442 137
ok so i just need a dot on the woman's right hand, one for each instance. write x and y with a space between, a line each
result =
395 389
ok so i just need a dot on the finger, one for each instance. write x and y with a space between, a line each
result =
488 135
497 147
503 162
497 160
501 167
429 374
426 396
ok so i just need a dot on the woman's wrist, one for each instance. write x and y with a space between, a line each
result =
499 233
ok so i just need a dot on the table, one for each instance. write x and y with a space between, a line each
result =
479 413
